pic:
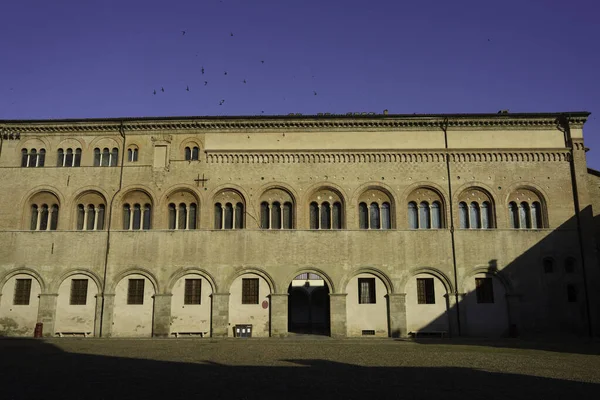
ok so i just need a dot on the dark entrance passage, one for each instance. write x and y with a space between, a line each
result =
308 305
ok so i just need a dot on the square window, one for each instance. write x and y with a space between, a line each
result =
135 291
250 291
484 288
79 289
22 292
193 291
425 291
366 291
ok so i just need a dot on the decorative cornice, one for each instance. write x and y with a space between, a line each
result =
380 156
532 120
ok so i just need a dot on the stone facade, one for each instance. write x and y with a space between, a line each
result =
473 225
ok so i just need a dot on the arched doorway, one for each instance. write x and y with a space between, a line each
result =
308 305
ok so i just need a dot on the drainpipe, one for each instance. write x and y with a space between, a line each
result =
109 225
564 126
444 127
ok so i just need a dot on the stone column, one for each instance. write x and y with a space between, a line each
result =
220 315
279 314
397 314
161 325
107 314
98 315
47 312
337 311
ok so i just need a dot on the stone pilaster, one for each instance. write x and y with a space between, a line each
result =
162 315
107 314
397 314
220 315
453 312
279 314
47 312
337 310
98 315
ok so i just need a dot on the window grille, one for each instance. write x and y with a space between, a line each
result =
22 292
425 291
484 289
193 291
250 291
79 289
135 291
366 290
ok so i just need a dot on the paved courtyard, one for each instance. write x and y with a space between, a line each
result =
295 368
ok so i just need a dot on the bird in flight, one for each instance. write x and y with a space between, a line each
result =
315 93
205 83
154 91
187 88
231 34
262 61
225 72
202 70
162 89
244 81
182 33
221 102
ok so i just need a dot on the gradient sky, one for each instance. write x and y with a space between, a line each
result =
93 59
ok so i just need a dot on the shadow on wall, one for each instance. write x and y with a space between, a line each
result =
33 368
540 293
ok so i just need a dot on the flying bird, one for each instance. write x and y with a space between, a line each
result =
205 83
315 93
221 102
231 34
262 61
244 81
182 33
162 89
225 72
202 70
187 88
155 91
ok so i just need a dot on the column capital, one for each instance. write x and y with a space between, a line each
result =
396 295
106 295
279 294
338 295
48 295
163 295
221 294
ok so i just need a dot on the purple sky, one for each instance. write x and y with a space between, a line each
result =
84 59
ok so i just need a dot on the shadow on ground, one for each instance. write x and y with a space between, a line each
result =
35 369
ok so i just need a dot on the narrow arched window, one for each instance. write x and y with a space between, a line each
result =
126 216
276 215
33 158
374 222
69 158
363 216
239 216
80 216
77 161
192 217
105 157
474 215
91 217
413 216
97 157
100 224
325 215
147 217
524 215
287 215
24 158
463 215
54 217
60 161
436 215
44 218
172 216
314 215
424 221
34 217
129 154
485 215
188 154
218 216
114 157
264 215
181 223
41 158
514 215
195 153
386 220
137 216
548 265
337 215
228 216
536 215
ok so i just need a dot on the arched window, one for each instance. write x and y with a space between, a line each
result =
127 216
192 216
325 215
463 215
137 217
276 215
218 216
276 209
41 158
53 217
34 217
132 154
424 215
239 216
44 212
287 215
43 215
228 216
100 214
33 157
172 216
114 156
475 209
80 217
60 161
326 210
413 216
436 215
485 215
536 215
182 217
195 153
374 216
191 153
182 210
77 161
264 215
105 161
188 154
524 215
97 157
474 215
514 215
69 158
91 217
24 158
230 208
548 265
147 217
363 216
314 215
90 212
386 219
337 215
106 157
526 210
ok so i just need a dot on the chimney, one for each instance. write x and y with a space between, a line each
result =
385 112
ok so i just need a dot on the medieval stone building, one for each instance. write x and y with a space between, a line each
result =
347 225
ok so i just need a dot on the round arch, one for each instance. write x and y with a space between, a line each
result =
23 271
474 185
527 186
24 143
325 185
190 141
426 185
68 142
55 284
373 185
428 271
257 271
180 273
494 273
100 139
229 186
368 270
111 287
182 187
290 277
90 190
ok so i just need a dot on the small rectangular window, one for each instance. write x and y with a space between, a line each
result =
366 291
135 291
193 290
484 289
22 292
425 291
78 292
250 291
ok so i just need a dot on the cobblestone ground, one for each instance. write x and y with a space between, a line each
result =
304 368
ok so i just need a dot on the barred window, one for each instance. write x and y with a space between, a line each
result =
484 289
366 291
193 291
22 292
425 291
250 291
135 291
79 289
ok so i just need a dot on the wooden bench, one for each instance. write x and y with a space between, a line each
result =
441 334
201 334
84 334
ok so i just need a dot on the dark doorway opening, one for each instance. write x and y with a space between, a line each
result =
308 305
